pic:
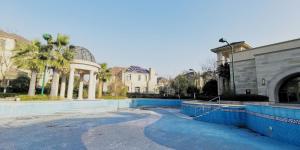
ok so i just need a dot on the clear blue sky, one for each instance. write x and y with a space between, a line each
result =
168 35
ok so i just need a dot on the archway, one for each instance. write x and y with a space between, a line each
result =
280 82
289 91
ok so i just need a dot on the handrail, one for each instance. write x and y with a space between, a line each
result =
218 97
208 112
215 109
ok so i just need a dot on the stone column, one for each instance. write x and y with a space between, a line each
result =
91 92
63 86
54 83
220 85
80 91
71 83
95 85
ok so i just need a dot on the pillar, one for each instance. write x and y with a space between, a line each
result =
63 86
94 85
80 91
91 92
71 83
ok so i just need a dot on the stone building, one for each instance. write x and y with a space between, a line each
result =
8 42
271 70
162 82
136 79
140 80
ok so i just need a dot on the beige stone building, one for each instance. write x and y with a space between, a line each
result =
136 79
271 70
8 42
140 80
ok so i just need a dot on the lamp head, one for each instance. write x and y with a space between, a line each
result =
222 40
192 70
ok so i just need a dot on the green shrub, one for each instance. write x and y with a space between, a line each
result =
38 97
245 97
20 85
47 89
210 88
4 95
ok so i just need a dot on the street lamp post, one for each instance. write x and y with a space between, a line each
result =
48 38
44 78
195 81
222 40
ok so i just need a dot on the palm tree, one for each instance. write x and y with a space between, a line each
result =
67 57
57 60
30 57
103 75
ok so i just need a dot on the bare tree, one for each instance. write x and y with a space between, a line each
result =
210 65
209 70
5 64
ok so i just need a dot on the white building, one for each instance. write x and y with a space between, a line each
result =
136 79
140 80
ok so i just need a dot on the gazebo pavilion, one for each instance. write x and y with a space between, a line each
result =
84 63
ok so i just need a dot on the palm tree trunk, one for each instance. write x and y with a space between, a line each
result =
55 83
63 86
31 91
100 89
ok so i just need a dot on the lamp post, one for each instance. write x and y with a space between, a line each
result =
195 81
48 38
222 40
44 78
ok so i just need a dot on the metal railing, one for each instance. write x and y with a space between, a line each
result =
218 98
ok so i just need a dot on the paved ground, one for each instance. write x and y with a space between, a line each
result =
128 129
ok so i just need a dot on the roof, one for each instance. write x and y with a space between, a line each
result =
18 38
83 54
117 70
234 44
137 69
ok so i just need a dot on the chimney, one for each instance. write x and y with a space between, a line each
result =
151 74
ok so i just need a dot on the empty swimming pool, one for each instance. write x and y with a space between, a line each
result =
113 125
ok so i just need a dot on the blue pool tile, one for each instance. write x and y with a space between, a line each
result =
276 122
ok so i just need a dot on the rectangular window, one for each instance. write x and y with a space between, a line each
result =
139 77
137 90
129 77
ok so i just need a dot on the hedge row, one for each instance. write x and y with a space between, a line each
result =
38 97
4 95
241 97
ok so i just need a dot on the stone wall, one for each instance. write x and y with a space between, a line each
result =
245 76
272 65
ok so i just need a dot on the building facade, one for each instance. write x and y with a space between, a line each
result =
140 80
135 78
8 42
271 70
